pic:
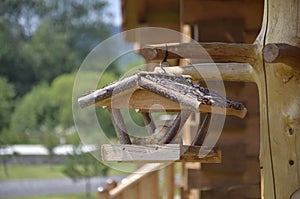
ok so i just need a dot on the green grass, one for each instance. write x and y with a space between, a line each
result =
65 196
45 171
32 171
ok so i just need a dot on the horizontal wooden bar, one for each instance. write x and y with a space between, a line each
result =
203 52
235 72
282 53
157 153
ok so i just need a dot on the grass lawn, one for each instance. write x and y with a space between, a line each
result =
32 171
45 171
65 196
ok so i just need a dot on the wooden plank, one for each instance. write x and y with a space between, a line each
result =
157 153
203 52
234 192
129 153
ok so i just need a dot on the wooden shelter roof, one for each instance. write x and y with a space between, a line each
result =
173 92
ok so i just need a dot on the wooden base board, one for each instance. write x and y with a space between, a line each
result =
159 153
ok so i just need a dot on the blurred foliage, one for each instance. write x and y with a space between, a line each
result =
6 102
84 166
43 43
42 39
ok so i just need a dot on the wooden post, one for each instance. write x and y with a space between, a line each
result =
279 94
102 193
169 182
120 126
111 184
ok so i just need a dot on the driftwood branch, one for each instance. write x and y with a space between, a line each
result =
108 91
119 126
202 132
236 72
149 122
204 52
282 53
176 127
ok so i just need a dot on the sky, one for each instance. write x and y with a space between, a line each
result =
114 7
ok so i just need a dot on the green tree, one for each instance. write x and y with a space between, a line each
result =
6 102
43 39
34 113
84 166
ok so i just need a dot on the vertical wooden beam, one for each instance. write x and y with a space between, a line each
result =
119 126
102 193
282 106
168 192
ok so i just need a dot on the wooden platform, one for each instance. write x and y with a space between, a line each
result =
160 153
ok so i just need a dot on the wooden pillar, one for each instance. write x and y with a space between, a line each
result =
280 103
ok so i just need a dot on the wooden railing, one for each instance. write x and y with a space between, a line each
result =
152 181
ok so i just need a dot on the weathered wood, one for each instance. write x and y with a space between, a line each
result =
119 126
236 72
281 105
191 154
182 99
282 53
203 52
149 122
201 133
129 153
108 91
176 127
143 100
157 153
176 88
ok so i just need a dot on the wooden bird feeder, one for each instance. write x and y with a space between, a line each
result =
175 93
